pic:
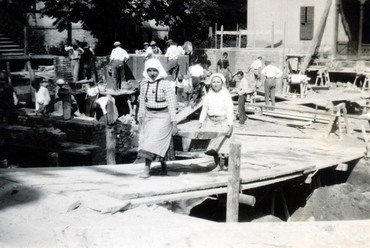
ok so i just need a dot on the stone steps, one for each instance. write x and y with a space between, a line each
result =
8 47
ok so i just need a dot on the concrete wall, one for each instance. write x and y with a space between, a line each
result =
240 59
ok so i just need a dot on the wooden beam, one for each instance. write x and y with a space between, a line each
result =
317 37
233 184
110 145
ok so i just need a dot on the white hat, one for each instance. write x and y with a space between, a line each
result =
60 82
117 43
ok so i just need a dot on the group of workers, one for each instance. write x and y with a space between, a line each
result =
161 91
157 114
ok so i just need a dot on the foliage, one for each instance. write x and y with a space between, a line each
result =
118 19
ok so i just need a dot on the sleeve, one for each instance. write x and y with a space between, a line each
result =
263 72
67 48
141 101
167 52
229 109
279 73
111 55
203 113
171 99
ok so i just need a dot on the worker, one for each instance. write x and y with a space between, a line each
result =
118 58
42 98
74 53
172 55
62 88
92 93
256 68
246 91
271 73
106 110
196 73
223 67
217 116
156 50
157 116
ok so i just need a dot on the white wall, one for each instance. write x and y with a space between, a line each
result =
262 13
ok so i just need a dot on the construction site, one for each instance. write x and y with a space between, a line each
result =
298 172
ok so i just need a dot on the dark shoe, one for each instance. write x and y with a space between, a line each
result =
211 152
164 169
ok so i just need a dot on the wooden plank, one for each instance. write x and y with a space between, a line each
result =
261 134
233 184
296 117
277 97
187 111
199 134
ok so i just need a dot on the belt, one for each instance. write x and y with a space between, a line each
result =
156 109
76 59
216 116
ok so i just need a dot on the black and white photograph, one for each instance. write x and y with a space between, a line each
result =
184 123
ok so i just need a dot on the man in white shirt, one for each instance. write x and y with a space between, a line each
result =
196 73
172 55
42 98
256 68
118 58
271 73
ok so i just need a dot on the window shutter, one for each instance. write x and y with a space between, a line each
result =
306 23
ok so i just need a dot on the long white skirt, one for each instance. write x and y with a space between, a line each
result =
221 143
156 132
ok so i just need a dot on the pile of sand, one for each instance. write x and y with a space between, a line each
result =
347 201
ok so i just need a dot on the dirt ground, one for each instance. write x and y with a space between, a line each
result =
346 201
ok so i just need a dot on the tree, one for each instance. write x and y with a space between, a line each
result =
118 19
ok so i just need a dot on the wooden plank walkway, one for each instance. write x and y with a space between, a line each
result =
265 160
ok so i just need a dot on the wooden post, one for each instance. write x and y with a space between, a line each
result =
25 40
216 35
237 36
222 37
240 39
67 105
65 94
336 21
361 27
9 78
110 145
272 35
233 184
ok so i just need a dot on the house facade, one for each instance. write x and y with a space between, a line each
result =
338 27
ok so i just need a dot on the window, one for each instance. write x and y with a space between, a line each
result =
306 23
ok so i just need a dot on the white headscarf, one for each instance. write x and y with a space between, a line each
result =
218 75
154 63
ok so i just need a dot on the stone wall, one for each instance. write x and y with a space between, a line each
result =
77 131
